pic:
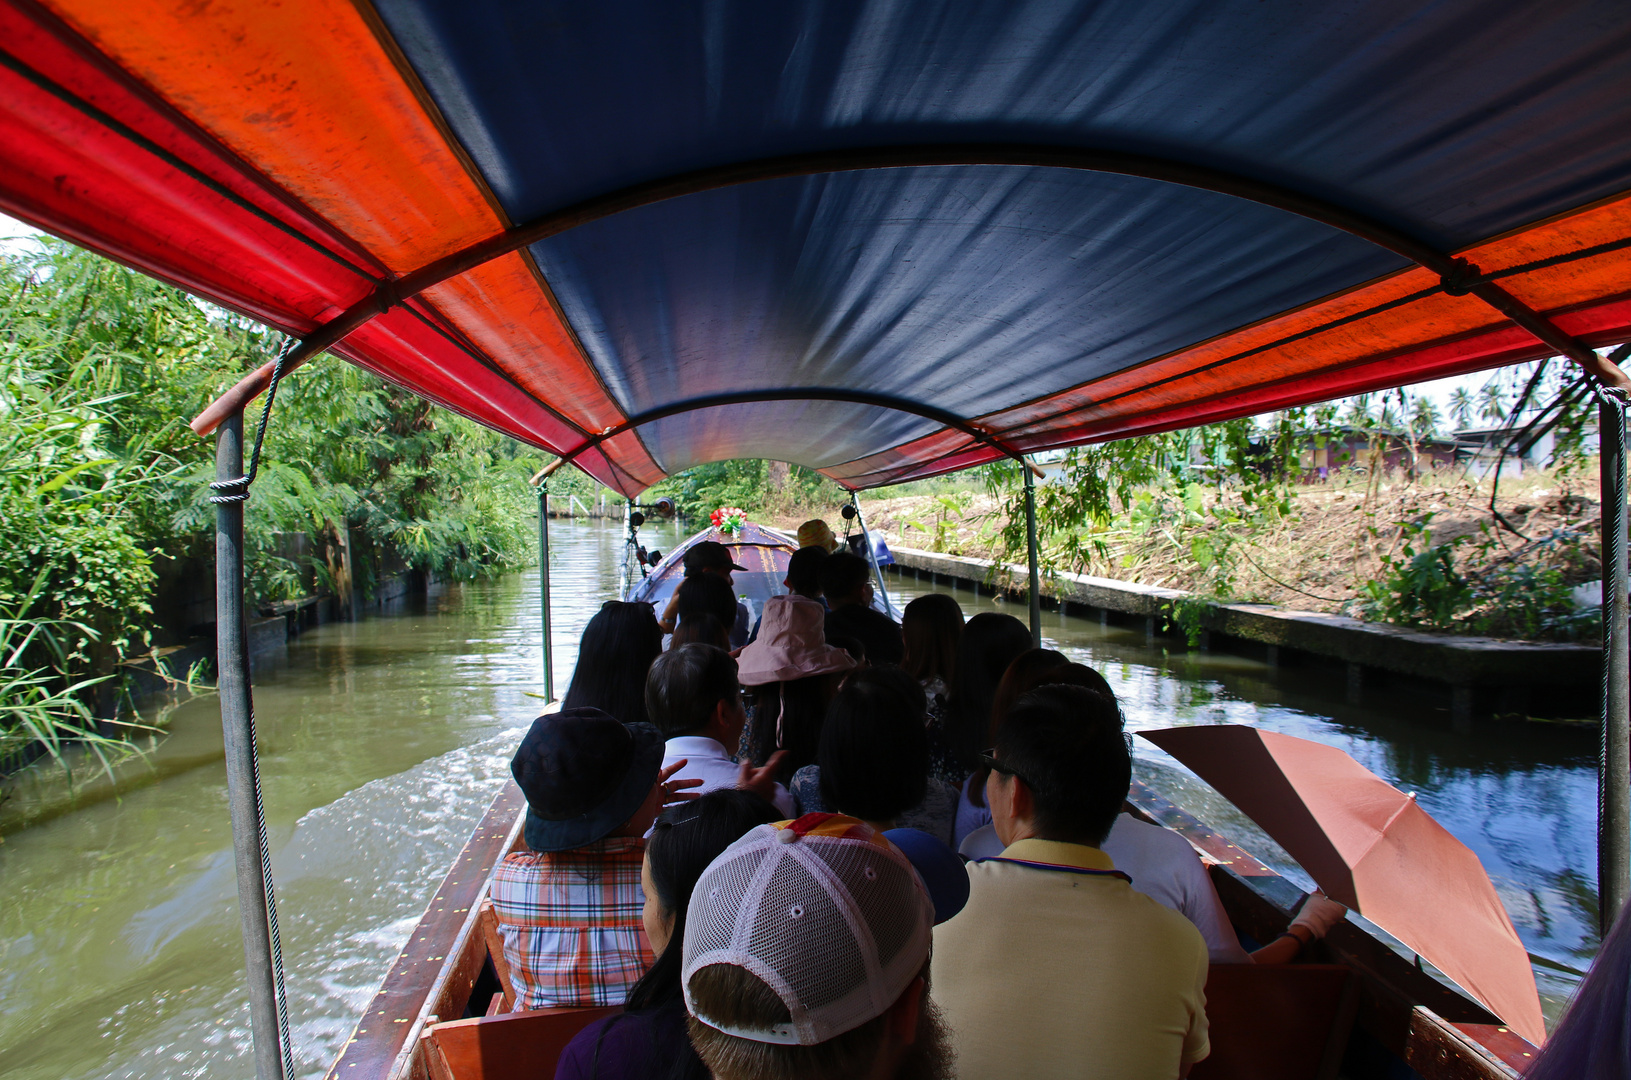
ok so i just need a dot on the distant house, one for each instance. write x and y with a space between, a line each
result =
1344 446
1481 448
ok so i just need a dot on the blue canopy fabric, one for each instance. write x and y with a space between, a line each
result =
884 239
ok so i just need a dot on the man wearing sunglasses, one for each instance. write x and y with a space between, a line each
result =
1057 967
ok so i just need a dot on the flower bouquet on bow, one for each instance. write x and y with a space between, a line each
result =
729 520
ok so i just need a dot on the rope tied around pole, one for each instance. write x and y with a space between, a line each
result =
231 491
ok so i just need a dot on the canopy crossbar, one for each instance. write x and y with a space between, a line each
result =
1457 276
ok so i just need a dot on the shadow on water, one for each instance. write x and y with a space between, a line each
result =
1521 795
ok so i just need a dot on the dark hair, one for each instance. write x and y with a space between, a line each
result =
706 594
990 642
804 571
1031 669
684 840
843 575
614 655
852 645
1067 745
874 754
1024 674
685 684
802 706
932 626
700 628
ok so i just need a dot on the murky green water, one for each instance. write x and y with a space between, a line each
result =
384 740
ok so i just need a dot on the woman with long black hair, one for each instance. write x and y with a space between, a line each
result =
990 642
648 1039
614 655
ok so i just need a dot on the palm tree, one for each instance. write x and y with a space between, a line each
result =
1492 402
1463 407
1424 417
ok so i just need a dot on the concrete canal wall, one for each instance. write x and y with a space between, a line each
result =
1481 675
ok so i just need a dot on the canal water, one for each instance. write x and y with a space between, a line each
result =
384 740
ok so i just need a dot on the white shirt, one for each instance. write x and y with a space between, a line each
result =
706 760
1163 867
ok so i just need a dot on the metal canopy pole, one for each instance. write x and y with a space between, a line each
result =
257 908
543 585
1614 768
1030 547
872 556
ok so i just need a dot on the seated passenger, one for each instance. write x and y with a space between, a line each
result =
817 533
1057 967
714 558
931 627
1161 863
846 582
791 675
803 579
873 762
705 594
989 644
568 907
973 816
828 980
693 698
649 1039
614 654
700 628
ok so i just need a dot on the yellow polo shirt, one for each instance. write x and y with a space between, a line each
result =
1057 968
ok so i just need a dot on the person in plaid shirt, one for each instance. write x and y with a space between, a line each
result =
569 907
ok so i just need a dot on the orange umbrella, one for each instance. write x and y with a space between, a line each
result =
1371 847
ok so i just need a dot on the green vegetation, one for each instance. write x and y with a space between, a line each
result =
101 480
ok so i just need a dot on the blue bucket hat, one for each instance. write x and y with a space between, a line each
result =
584 773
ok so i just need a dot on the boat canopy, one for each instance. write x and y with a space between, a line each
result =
885 240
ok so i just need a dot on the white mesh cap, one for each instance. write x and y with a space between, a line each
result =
825 910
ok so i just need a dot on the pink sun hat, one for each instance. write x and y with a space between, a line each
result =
792 644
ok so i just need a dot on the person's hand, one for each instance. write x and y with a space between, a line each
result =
672 789
1318 914
761 781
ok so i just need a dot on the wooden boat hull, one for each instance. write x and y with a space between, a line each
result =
1400 1013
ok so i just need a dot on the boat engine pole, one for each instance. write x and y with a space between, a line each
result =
257 909
1614 770
543 586
1031 554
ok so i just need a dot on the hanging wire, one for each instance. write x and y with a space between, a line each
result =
237 491
231 491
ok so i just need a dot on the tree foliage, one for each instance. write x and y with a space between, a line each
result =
100 369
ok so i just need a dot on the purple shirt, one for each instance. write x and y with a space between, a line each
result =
628 1046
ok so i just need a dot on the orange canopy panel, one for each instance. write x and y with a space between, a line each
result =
885 240
1369 846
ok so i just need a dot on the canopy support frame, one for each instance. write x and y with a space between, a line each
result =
543 587
1457 276
257 904
1614 764
1032 560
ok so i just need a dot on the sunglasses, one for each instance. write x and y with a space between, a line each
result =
989 758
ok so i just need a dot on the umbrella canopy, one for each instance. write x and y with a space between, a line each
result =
1370 846
885 239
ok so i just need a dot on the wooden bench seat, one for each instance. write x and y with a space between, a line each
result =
1277 1022
512 1046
